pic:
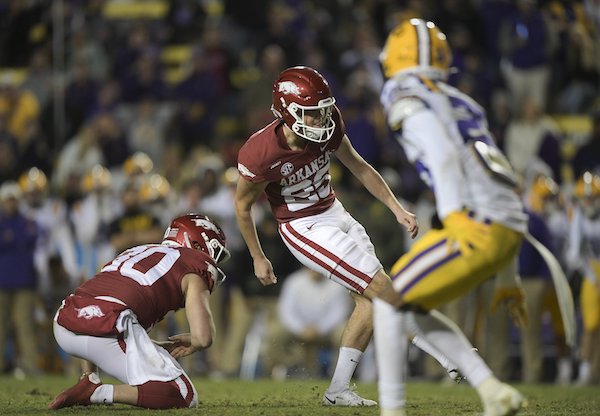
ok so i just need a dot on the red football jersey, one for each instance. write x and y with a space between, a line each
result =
298 179
148 278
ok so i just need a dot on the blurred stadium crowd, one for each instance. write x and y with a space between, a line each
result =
117 115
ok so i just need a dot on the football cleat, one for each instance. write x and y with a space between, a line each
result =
456 376
79 394
346 397
505 401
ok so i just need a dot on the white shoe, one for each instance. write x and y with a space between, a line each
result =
505 401
346 398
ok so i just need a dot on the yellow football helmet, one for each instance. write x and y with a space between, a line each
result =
138 163
96 179
154 188
543 189
416 46
34 180
587 192
587 186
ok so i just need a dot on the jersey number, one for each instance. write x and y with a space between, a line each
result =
129 258
307 192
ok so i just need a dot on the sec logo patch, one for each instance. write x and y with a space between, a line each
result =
287 168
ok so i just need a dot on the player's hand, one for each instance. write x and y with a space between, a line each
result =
181 345
409 221
514 298
466 232
263 269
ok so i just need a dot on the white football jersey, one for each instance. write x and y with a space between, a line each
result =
445 135
584 243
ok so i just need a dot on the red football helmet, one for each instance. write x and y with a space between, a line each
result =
299 90
199 232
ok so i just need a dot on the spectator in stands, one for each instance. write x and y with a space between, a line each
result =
80 95
111 138
144 78
80 154
587 157
39 79
84 47
19 109
145 125
135 225
18 281
18 37
255 97
185 20
527 47
9 157
197 97
575 68
532 135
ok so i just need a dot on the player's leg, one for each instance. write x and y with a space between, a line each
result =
337 246
429 275
564 365
531 335
6 301
390 350
109 355
24 301
590 312
355 338
498 398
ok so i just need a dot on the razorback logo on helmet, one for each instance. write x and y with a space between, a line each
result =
89 312
288 87
200 222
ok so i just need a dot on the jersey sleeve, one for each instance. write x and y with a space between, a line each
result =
250 165
203 266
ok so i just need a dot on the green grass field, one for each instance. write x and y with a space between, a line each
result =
295 398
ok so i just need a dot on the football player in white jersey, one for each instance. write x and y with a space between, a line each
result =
56 238
583 255
444 134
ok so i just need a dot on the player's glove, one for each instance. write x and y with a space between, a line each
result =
466 232
514 298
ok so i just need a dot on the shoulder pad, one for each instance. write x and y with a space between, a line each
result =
402 109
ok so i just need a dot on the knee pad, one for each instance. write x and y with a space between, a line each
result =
178 393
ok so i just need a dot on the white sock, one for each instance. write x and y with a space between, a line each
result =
391 347
424 346
449 340
585 372
348 359
103 394
565 370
